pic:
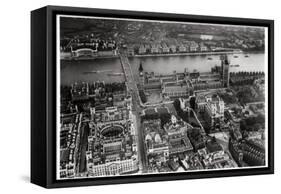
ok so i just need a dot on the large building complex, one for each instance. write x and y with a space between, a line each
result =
176 89
112 148
156 140
212 106
180 110
214 156
248 152
225 70
177 134
177 85
69 141
163 143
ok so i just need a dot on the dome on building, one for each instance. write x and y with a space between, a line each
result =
157 138
148 137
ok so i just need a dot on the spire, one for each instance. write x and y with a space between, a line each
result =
140 67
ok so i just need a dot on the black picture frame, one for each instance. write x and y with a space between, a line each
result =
43 95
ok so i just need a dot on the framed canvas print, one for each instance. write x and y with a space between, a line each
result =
125 96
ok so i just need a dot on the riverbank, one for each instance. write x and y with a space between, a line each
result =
188 54
88 58
73 70
158 55
150 55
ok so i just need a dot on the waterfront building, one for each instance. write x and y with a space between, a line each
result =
150 81
154 49
182 48
203 47
86 47
150 78
165 48
142 49
183 84
225 70
84 52
193 46
159 46
153 83
173 48
204 81
170 78
131 50
209 77
147 47
153 79
204 85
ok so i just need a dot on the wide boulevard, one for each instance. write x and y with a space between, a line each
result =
131 80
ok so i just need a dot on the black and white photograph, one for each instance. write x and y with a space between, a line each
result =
142 97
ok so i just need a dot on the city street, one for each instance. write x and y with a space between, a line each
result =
132 87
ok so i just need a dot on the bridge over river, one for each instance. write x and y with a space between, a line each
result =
131 81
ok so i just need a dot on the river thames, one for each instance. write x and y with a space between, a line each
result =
110 69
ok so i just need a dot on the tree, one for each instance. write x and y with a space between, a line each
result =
192 102
177 105
142 96
165 118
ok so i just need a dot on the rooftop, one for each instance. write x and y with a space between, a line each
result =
213 146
